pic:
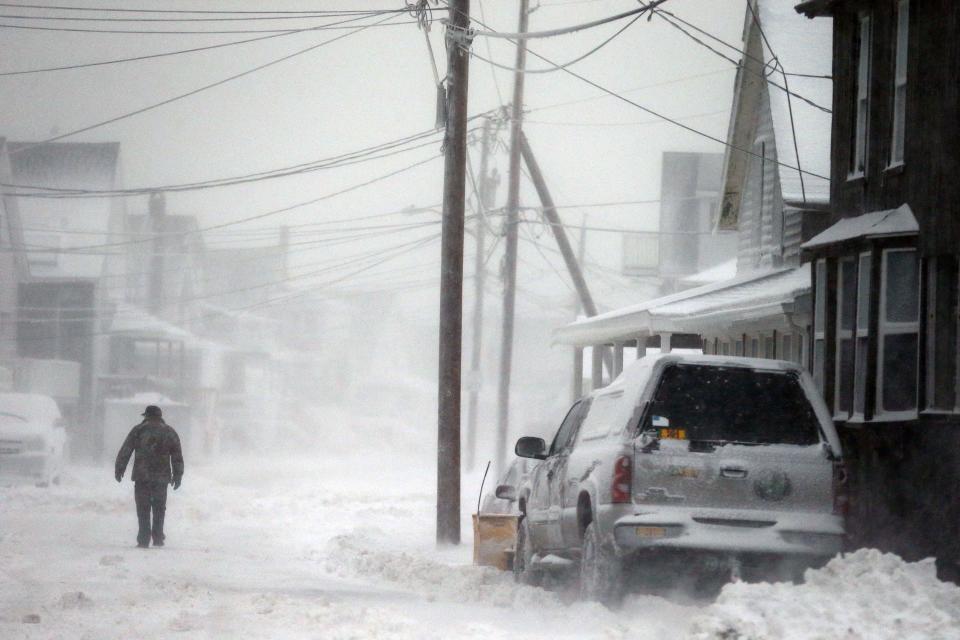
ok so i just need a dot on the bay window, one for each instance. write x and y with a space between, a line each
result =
898 339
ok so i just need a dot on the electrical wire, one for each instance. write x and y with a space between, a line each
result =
20 5
205 87
677 123
169 53
305 16
550 33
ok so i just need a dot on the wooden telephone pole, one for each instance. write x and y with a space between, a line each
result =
510 257
486 186
451 278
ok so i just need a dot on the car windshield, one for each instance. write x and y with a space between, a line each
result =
734 405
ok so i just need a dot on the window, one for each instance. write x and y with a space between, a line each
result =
862 110
603 417
754 348
568 429
900 83
863 334
770 347
941 334
738 348
725 349
846 321
697 398
898 339
819 322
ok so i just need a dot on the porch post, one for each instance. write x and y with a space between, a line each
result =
617 359
597 351
641 345
577 387
665 342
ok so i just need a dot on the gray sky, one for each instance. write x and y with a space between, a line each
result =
368 88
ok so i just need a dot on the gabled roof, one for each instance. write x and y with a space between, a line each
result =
805 47
878 224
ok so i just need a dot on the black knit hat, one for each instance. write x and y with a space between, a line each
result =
152 411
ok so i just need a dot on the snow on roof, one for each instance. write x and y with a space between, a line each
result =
130 319
801 46
891 222
756 292
717 273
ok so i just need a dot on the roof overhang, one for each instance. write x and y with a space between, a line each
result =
817 8
764 296
878 224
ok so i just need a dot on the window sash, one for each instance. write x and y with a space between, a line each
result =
863 94
900 82
862 341
890 329
845 356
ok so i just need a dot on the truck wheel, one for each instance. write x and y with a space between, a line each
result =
523 573
601 572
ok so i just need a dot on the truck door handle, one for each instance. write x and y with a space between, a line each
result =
733 472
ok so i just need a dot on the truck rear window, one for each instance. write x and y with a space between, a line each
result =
734 404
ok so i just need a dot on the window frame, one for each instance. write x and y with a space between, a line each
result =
820 276
859 158
861 329
900 78
842 335
887 328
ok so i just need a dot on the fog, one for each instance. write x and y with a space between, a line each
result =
238 226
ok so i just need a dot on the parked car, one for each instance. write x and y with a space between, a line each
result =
32 438
686 466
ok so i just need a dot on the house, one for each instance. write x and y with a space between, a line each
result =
61 246
886 271
688 241
775 184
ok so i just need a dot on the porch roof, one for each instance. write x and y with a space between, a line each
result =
887 223
701 310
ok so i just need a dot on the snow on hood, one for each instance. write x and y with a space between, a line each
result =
862 595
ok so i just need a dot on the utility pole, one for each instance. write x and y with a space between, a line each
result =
510 257
485 197
451 276
157 209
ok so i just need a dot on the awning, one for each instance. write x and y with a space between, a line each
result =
707 309
879 224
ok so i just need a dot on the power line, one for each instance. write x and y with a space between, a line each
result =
170 53
205 87
266 214
304 16
550 33
205 32
703 134
637 123
19 5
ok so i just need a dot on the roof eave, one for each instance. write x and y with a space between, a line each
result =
816 8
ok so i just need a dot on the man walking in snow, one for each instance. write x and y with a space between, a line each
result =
159 462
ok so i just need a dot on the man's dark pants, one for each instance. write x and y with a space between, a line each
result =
150 496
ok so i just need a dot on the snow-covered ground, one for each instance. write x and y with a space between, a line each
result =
319 546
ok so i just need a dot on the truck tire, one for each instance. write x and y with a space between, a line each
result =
523 573
601 572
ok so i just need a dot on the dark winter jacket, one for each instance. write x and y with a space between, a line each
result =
158 449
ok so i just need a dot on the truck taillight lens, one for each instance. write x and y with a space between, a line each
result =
622 479
841 491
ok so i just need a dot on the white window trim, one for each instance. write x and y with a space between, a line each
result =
844 334
895 328
819 328
860 332
901 57
861 138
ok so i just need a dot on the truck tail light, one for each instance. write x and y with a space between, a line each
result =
841 490
622 480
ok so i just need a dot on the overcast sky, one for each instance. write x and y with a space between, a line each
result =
369 87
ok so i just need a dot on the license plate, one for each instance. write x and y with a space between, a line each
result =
651 532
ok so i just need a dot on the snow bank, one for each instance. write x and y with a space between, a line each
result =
353 555
865 595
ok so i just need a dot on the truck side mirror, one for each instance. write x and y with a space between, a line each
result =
528 447
506 492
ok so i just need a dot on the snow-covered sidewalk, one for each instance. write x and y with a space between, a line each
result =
291 548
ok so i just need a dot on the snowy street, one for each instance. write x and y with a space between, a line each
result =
286 548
